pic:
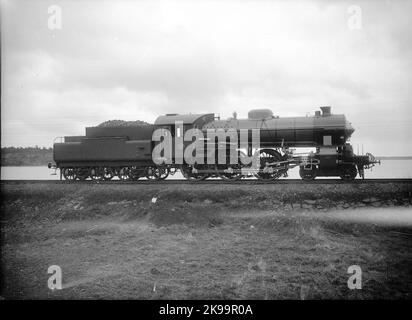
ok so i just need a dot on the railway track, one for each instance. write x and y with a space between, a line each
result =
214 181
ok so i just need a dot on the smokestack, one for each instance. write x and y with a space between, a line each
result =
325 111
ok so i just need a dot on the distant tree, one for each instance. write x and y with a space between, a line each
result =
29 156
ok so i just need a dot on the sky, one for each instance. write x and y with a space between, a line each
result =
136 60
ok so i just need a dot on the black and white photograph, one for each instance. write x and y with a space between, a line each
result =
217 151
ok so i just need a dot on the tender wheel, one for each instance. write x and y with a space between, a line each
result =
97 173
108 173
157 173
82 173
191 172
123 173
348 172
267 171
137 172
69 174
308 172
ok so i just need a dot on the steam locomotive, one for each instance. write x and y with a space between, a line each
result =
128 152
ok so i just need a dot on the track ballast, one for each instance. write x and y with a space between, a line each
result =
218 182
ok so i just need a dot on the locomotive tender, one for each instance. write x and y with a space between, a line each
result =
127 152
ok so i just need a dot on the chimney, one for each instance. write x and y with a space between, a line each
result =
317 113
325 111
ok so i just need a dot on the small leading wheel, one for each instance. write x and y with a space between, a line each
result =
191 172
97 173
308 172
157 173
69 174
348 172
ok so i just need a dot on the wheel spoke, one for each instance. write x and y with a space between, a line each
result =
69 174
157 173
348 172
137 172
108 173
308 172
82 173
268 170
123 173
97 173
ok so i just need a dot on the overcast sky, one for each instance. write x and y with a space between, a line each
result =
139 59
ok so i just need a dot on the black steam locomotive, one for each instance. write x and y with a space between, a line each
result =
127 152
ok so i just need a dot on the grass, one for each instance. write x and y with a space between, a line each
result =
231 242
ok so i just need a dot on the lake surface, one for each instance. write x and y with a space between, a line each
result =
387 169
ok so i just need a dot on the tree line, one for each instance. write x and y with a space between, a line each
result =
27 156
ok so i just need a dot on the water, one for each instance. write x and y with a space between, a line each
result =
387 169
401 217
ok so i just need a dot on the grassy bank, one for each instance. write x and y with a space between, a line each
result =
234 242
29 156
